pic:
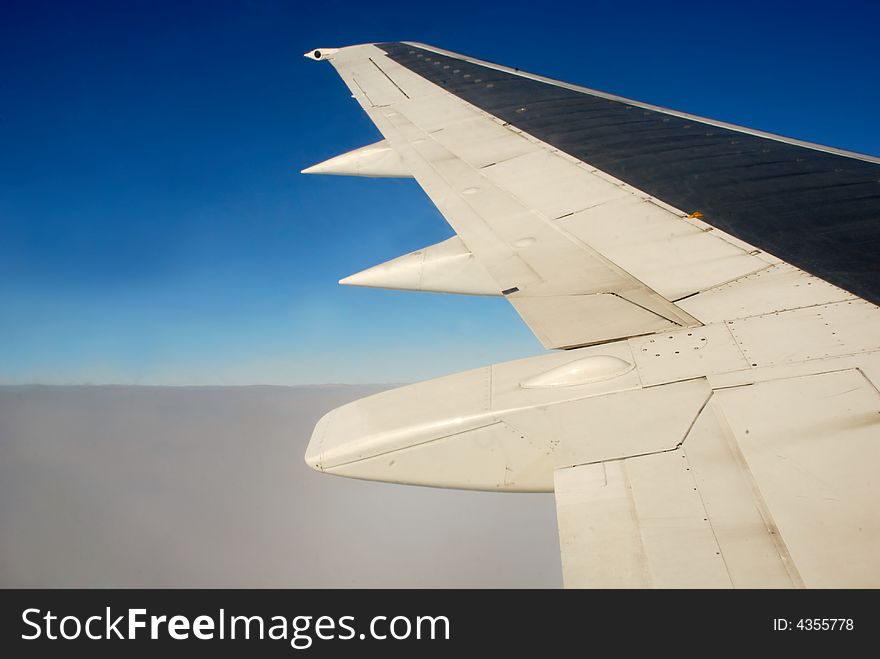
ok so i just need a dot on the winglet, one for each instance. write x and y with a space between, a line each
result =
321 53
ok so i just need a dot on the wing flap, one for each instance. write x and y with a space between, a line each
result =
568 321
811 445
689 517
773 486
635 523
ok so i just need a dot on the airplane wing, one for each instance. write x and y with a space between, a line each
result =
713 419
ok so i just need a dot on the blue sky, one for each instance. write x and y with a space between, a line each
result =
153 224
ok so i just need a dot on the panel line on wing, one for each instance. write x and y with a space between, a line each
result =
390 79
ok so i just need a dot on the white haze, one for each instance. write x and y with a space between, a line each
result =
119 486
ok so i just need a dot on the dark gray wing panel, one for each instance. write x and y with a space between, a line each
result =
818 211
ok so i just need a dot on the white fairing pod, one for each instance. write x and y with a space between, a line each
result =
482 430
374 160
447 267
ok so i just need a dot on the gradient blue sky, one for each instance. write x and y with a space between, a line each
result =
153 224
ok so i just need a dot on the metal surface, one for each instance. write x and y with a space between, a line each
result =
817 210
725 429
447 267
373 161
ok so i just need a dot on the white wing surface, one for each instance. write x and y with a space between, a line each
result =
714 419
